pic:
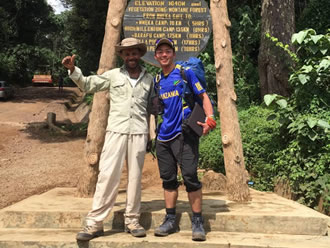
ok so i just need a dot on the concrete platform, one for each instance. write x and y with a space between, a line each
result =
266 213
52 219
51 238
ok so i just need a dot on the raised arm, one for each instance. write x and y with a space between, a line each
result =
68 62
91 84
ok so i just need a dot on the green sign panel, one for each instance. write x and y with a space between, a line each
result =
187 23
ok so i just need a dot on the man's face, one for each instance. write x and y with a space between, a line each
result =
164 55
131 57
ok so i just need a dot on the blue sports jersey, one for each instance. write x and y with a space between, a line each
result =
170 90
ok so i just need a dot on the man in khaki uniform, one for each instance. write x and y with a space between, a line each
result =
126 135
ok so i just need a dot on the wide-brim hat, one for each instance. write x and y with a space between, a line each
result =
131 43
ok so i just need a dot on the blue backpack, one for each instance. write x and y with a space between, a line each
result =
196 65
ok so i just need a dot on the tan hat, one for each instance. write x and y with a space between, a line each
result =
131 43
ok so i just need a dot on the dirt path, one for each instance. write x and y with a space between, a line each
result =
33 159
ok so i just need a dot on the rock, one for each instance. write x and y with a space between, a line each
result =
214 181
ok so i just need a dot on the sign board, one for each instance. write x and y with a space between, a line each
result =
187 22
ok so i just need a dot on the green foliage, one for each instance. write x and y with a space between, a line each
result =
261 142
245 39
304 121
62 45
286 48
315 14
210 151
153 70
24 21
25 39
307 172
87 22
16 63
210 75
89 99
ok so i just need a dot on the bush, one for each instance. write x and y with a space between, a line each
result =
261 141
304 118
210 151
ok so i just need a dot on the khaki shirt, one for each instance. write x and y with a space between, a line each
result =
128 105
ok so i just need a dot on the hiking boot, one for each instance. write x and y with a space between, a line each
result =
198 233
89 233
169 226
135 229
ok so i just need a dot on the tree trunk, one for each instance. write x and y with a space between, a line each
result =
100 110
277 19
237 176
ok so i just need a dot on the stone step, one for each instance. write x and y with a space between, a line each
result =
267 213
16 238
226 223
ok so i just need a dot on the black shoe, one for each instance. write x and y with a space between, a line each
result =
89 233
198 233
169 226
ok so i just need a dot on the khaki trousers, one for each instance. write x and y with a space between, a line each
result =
118 147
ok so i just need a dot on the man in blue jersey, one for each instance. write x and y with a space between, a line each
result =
178 145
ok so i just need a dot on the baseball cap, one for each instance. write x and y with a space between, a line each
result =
164 41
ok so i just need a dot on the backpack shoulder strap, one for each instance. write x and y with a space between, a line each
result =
185 80
158 77
156 82
183 74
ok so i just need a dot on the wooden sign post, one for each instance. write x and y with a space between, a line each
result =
98 118
237 176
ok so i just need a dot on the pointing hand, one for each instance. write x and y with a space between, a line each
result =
68 62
